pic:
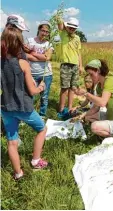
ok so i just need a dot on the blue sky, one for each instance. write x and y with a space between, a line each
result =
95 16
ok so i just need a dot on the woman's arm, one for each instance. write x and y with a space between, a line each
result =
33 90
99 101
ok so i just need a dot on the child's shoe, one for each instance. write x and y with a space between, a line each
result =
62 113
41 164
18 176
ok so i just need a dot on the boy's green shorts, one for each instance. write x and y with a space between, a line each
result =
69 75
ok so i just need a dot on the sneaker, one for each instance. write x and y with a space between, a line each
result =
18 176
62 113
42 164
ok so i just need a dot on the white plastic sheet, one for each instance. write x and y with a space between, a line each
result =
64 129
93 173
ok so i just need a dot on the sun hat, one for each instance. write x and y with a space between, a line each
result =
94 63
44 23
72 22
18 21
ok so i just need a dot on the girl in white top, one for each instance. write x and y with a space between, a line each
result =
40 62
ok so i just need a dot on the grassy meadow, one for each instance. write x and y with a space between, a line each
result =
53 189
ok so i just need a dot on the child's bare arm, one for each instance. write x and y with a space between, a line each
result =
31 58
83 104
79 117
39 56
33 90
80 63
60 23
48 54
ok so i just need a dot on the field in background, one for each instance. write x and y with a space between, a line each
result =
107 45
54 189
99 50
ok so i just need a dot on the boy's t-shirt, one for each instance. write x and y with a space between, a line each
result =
37 68
70 47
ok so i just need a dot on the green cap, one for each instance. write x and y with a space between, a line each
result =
94 63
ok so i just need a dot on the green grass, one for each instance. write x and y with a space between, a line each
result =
53 189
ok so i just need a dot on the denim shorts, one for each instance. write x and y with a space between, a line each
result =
12 119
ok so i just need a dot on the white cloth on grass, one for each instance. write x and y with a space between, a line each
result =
93 173
64 129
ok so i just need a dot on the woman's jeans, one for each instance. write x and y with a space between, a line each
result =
43 95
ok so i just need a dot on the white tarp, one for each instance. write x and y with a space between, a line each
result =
64 129
93 173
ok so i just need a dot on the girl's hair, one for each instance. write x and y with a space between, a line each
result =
40 27
12 42
104 70
88 76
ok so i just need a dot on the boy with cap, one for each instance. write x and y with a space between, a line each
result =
71 62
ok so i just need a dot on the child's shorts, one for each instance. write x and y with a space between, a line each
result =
12 119
69 75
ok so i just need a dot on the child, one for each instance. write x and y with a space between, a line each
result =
16 99
71 62
40 62
80 111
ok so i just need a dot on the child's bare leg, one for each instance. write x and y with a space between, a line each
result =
38 144
70 98
14 156
63 95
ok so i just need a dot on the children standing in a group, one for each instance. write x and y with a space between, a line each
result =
71 62
40 62
16 99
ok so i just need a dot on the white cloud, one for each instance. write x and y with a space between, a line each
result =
72 11
3 19
37 23
69 12
105 33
